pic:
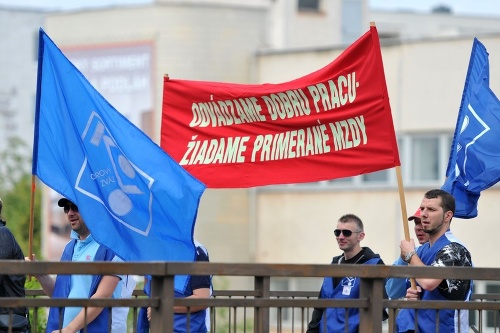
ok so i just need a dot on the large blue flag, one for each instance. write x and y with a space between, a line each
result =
133 197
474 163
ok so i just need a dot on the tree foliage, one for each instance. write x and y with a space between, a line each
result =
15 191
15 162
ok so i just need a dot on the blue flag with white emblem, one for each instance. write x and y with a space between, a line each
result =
474 163
134 198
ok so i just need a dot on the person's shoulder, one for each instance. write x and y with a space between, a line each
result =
104 253
455 247
453 254
336 259
201 255
368 254
4 229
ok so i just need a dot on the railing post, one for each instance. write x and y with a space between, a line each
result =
162 318
261 319
370 319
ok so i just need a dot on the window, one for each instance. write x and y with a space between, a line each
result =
427 158
352 20
309 5
424 160
376 177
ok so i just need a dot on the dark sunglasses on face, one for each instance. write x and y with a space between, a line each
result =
73 207
345 232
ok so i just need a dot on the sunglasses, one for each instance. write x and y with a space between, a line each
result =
345 232
73 207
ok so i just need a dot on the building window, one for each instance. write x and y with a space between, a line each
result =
309 5
376 177
424 160
353 23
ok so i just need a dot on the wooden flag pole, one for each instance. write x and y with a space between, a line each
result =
402 201
32 218
404 213
32 214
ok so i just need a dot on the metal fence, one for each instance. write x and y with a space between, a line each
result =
249 310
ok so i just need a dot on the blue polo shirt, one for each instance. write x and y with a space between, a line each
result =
84 251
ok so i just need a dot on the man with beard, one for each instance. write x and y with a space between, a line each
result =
443 249
349 234
81 248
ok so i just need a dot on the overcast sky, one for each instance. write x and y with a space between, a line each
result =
463 7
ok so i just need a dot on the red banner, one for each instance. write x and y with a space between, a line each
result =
333 123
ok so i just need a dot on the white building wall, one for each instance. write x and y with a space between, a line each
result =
18 65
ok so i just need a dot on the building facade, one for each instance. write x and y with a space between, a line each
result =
425 59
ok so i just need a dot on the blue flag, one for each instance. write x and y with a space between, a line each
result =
474 163
134 198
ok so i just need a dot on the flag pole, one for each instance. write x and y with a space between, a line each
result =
32 218
32 213
402 201
35 142
404 213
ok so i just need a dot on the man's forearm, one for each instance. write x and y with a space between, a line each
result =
47 282
79 322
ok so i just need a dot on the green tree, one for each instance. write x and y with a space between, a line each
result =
15 162
15 191
16 211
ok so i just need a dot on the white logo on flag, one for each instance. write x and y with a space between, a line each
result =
119 179
484 129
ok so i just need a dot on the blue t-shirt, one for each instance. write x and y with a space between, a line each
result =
84 251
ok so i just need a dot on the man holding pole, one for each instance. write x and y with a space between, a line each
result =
443 249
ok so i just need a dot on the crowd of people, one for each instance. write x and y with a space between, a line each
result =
437 246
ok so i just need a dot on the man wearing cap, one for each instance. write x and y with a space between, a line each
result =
81 248
396 288
349 234
442 250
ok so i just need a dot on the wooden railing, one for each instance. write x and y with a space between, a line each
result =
261 298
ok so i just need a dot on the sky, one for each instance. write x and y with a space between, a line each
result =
462 7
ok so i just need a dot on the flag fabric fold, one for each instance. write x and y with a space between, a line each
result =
333 123
133 196
474 163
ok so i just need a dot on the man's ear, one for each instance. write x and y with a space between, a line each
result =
448 216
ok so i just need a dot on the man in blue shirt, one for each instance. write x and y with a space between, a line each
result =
199 316
349 234
82 248
442 250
